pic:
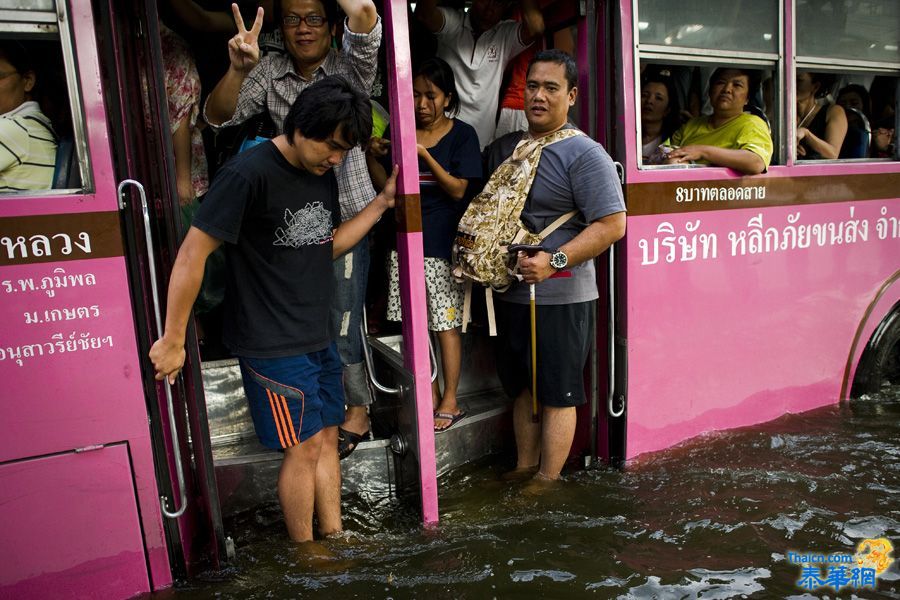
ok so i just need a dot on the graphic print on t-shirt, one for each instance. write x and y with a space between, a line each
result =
308 226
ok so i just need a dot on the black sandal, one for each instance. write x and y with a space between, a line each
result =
348 441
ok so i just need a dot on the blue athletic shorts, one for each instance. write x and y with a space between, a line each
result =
292 398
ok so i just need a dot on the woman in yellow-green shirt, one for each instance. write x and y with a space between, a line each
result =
729 137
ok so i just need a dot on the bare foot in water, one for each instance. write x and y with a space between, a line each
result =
520 474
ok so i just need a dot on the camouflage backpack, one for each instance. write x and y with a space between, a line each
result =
492 221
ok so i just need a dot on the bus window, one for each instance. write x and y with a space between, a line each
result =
744 26
848 59
38 98
850 30
681 46
675 100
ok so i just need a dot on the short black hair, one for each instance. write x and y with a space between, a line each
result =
560 58
330 6
437 71
754 79
331 104
17 55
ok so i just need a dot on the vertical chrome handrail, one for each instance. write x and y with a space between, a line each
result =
611 321
151 263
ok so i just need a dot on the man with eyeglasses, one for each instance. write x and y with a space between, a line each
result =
255 84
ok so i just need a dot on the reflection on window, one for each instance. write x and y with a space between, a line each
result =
850 29
745 25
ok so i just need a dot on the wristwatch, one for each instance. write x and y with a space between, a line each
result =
559 260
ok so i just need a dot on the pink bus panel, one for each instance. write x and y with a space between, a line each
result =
70 527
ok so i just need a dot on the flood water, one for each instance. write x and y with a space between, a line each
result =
712 518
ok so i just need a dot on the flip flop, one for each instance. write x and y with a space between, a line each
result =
348 441
454 419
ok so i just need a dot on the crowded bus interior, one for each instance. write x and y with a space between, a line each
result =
833 105
852 83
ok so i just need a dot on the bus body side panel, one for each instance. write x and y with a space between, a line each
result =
739 316
74 410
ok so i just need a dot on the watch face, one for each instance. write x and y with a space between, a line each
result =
559 260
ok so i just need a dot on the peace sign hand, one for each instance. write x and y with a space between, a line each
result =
243 49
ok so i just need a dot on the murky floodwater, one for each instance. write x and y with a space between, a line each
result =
713 518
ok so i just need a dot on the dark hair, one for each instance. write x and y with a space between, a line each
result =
826 82
437 71
754 78
329 105
17 55
330 6
672 120
560 58
862 92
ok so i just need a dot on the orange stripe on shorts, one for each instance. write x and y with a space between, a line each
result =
290 422
277 418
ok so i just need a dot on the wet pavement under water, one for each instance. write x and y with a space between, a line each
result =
712 518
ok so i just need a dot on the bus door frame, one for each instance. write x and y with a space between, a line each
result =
197 538
409 248
94 206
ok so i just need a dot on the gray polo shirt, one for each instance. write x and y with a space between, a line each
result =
575 173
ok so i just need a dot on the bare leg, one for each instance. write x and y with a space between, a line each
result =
297 485
556 439
528 434
328 483
356 388
451 360
435 394
356 419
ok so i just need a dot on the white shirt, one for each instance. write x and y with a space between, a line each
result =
478 66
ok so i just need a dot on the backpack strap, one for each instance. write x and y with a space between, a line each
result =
491 314
467 306
559 222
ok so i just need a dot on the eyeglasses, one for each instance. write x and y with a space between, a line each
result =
310 20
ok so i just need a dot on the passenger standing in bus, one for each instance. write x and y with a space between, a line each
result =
27 140
729 137
253 85
477 45
821 126
275 207
449 161
573 174
183 100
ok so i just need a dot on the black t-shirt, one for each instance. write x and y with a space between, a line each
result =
459 154
277 222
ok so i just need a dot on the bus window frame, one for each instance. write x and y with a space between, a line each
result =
774 61
838 66
45 25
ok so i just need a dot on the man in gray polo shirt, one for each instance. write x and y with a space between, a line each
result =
574 173
477 45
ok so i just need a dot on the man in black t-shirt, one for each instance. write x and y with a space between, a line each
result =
275 207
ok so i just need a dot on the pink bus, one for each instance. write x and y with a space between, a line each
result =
732 300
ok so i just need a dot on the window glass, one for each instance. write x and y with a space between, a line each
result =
849 29
676 96
742 25
36 125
